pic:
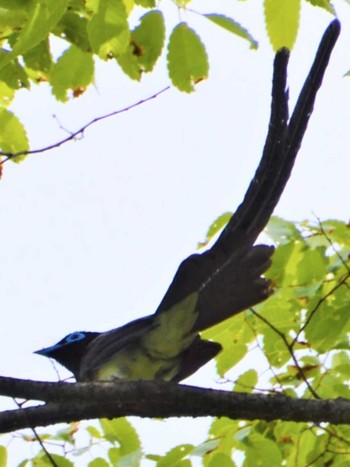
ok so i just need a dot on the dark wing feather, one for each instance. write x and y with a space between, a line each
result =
195 356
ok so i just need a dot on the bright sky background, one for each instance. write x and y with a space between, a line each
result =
92 233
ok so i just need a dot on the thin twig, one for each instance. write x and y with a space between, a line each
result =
290 350
73 135
318 304
37 437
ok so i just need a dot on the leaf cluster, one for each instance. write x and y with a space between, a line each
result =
58 41
302 328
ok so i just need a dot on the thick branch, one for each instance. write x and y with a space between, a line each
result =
69 402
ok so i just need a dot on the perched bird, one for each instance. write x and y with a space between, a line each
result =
167 345
217 284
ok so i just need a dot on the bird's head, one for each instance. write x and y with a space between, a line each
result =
70 350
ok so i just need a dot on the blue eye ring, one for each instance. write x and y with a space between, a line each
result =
75 337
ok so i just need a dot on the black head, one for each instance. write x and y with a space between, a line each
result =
70 350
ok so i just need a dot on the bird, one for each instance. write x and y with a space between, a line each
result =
210 287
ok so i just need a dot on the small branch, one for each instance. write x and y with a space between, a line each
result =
343 281
290 350
329 240
79 132
50 459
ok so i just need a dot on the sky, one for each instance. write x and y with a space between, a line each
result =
93 232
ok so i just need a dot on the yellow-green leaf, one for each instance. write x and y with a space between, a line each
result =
3 456
261 449
228 359
108 29
121 431
282 22
13 137
325 4
215 227
246 382
232 26
74 71
145 47
146 3
175 455
41 18
187 58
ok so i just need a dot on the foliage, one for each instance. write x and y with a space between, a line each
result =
295 343
31 31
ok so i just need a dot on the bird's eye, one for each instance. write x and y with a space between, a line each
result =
75 337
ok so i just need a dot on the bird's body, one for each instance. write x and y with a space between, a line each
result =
167 344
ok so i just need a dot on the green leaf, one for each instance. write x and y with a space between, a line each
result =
12 18
285 264
129 459
41 18
3 456
312 267
14 75
329 322
282 231
338 231
220 460
13 137
208 446
246 382
341 363
187 58
145 47
287 432
39 57
93 432
175 456
261 451
146 3
224 435
73 28
215 227
67 433
6 94
305 443
74 71
43 461
228 359
120 431
230 333
275 349
282 22
325 4
99 462
108 29
232 26
149 37
282 310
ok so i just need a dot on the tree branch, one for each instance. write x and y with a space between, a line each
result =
70 402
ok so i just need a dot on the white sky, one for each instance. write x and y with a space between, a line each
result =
93 232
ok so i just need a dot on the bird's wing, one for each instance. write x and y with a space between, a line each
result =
107 344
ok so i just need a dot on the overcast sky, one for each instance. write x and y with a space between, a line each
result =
93 232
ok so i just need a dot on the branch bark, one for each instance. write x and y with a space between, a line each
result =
67 402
